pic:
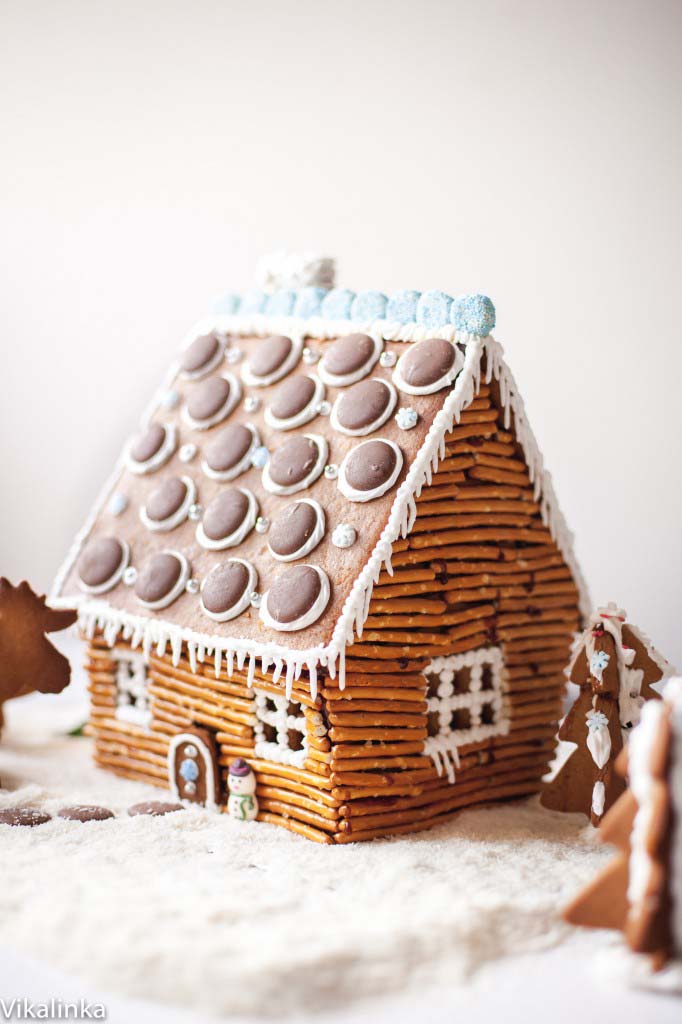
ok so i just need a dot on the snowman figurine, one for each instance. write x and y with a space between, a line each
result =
242 803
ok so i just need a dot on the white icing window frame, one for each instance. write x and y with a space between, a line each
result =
132 697
282 721
443 748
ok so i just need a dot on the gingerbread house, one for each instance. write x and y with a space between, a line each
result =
333 551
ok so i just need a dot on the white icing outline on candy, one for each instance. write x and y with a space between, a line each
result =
345 379
179 516
207 757
429 389
233 399
316 471
168 446
239 467
177 589
237 536
251 380
314 538
307 619
306 414
363 431
243 602
115 578
350 492
213 362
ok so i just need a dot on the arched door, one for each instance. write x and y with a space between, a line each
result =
193 768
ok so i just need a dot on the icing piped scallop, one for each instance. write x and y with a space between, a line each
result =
161 579
151 448
298 598
271 359
229 453
203 355
169 504
102 563
428 366
226 591
296 464
370 470
297 530
364 407
349 359
295 402
212 401
227 519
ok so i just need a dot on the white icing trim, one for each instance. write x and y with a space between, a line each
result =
437 385
598 798
213 362
238 535
198 742
322 453
314 538
307 413
279 719
168 446
164 525
179 587
350 492
307 619
244 601
132 696
286 367
102 588
234 397
241 466
345 379
371 427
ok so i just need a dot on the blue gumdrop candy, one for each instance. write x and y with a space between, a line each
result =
402 306
473 314
368 306
253 301
226 304
433 309
337 304
281 303
308 301
189 770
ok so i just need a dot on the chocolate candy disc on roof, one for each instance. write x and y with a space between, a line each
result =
295 402
370 470
212 401
226 591
101 564
428 366
364 407
296 464
349 359
227 519
229 453
168 504
271 359
161 579
202 356
151 448
297 530
298 598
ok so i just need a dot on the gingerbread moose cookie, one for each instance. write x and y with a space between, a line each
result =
615 667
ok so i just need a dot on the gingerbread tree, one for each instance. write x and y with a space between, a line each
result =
616 668
638 892
28 661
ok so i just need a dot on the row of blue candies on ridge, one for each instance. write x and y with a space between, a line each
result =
472 314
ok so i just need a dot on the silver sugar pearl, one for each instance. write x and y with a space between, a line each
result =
262 524
233 355
192 586
255 599
190 788
130 575
323 408
187 452
251 403
260 457
388 359
170 400
310 355
331 471
191 750
196 511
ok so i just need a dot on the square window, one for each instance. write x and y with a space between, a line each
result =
132 700
280 731
463 680
460 719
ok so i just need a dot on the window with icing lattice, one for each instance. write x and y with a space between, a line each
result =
280 730
466 704
132 699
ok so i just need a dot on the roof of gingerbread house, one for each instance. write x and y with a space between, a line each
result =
276 467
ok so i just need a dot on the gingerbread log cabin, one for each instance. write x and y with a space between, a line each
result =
333 552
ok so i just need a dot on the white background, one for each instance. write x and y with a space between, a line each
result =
151 152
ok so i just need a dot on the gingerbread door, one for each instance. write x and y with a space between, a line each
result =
193 768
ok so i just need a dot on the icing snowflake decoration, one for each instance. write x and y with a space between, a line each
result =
596 720
598 662
406 418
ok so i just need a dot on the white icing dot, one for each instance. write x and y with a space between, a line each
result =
344 536
310 355
388 359
130 575
251 403
406 418
195 511
191 750
187 452
262 524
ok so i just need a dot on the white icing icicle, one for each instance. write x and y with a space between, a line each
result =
598 799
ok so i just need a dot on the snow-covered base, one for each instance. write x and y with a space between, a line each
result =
622 967
200 910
